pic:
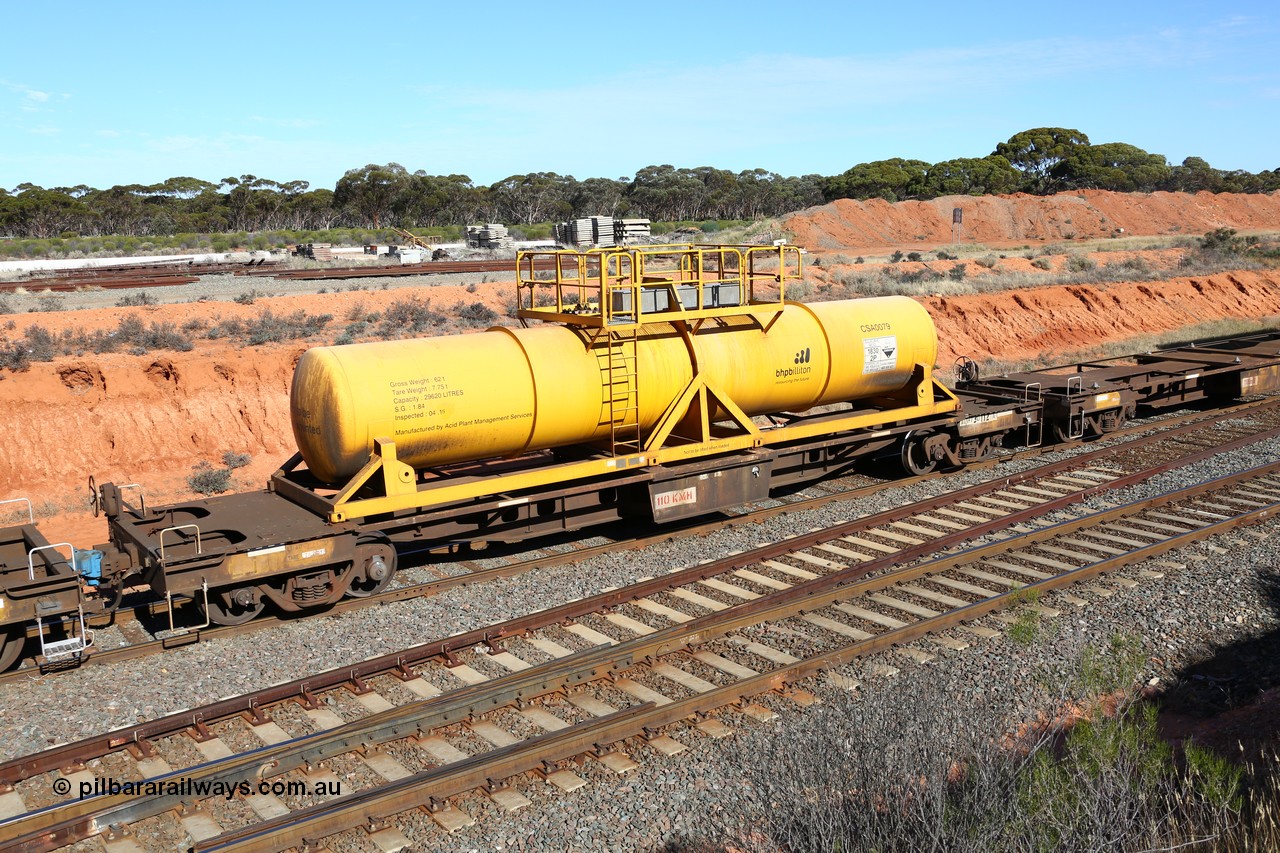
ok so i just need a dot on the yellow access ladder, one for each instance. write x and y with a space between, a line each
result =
620 403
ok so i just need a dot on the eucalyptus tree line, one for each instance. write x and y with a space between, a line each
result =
1039 160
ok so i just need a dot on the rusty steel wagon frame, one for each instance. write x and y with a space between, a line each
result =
538 495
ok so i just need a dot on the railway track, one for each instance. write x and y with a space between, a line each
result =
425 268
112 283
466 713
1171 431
122 277
114 278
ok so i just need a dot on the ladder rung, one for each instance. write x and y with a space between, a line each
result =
64 648
619 368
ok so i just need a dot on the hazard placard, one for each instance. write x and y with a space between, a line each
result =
879 354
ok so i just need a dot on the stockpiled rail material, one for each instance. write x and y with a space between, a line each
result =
370 271
601 231
145 268
490 236
130 276
1171 438
315 251
658 665
438 398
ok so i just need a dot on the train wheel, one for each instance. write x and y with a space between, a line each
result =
233 606
12 642
374 567
916 458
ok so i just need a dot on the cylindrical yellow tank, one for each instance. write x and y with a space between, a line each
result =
506 391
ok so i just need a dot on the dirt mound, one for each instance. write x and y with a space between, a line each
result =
142 418
849 224
1056 323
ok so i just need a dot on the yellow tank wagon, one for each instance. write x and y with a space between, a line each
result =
651 355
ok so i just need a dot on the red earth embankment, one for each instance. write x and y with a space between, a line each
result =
1044 322
995 220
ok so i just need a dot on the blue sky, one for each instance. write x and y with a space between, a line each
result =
103 94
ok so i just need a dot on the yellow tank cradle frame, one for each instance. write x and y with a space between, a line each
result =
598 291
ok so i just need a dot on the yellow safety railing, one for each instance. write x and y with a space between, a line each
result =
630 286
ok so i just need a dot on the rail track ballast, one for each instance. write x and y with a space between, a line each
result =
659 383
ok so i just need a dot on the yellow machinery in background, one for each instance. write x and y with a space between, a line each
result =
643 356
414 240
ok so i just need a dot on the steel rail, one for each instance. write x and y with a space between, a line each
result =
141 275
424 268
108 284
